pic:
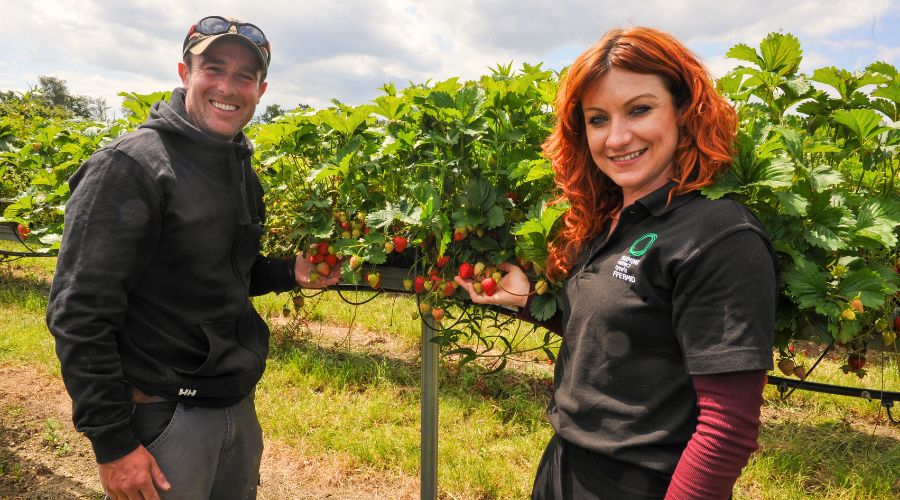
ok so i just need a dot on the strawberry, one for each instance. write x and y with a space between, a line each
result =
361 216
323 268
388 247
541 287
318 258
437 314
786 365
313 277
331 259
443 261
322 248
856 362
419 284
400 244
345 226
356 233
355 262
477 287
857 305
496 275
489 286
460 233
424 307
479 269
848 314
374 280
800 372
466 270
525 264
407 284
23 231
449 288
298 301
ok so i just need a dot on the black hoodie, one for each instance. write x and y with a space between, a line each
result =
160 255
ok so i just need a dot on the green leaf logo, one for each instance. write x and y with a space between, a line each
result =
647 241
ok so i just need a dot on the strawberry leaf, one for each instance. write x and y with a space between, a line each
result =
543 307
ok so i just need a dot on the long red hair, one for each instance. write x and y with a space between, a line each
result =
706 128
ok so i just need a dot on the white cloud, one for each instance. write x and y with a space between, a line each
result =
347 49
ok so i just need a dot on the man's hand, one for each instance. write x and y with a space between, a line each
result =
133 477
512 289
303 269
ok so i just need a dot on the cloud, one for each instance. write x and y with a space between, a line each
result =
348 49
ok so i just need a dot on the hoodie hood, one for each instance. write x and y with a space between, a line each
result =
171 116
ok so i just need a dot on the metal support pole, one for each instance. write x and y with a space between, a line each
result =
430 352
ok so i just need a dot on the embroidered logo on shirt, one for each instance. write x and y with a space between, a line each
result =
622 267
645 240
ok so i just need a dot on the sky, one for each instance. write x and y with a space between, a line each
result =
347 49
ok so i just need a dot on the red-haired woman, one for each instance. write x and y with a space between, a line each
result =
668 303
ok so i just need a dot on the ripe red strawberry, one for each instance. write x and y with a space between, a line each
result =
400 244
443 261
318 258
322 248
419 284
331 259
489 286
323 269
374 280
449 288
437 314
525 264
466 270
856 362
23 231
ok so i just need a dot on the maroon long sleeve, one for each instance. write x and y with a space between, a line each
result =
726 435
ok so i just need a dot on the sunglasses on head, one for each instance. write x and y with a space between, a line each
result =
217 25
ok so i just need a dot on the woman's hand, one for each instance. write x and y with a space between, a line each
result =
513 289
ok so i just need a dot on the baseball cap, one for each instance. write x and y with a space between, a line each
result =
211 28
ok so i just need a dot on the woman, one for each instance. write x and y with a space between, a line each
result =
668 303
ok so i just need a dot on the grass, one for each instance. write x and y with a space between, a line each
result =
334 394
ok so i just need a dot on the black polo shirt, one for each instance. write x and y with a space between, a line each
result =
679 289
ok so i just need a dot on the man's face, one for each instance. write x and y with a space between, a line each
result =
222 88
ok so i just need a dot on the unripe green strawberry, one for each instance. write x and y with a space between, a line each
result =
361 216
489 286
888 338
414 315
313 277
424 307
355 262
407 284
477 287
541 287
496 275
478 270
374 280
848 314
356 233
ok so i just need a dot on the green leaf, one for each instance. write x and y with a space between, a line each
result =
825 220
495 217
874 222
806 283
869 284
781 53
863 123
793 203
543 307
891 92
744 53
823 177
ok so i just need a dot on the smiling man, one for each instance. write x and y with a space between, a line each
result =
159 344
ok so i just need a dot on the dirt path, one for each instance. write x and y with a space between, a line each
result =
41 455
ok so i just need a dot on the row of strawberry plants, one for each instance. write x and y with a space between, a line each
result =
453 170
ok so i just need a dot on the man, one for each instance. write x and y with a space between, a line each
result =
159 344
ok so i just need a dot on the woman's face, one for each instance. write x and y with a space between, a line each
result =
631 127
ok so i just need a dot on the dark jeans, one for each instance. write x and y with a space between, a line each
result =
204 452
569 472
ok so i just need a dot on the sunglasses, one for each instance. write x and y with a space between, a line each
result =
216 25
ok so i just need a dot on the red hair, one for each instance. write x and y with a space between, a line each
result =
706 128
